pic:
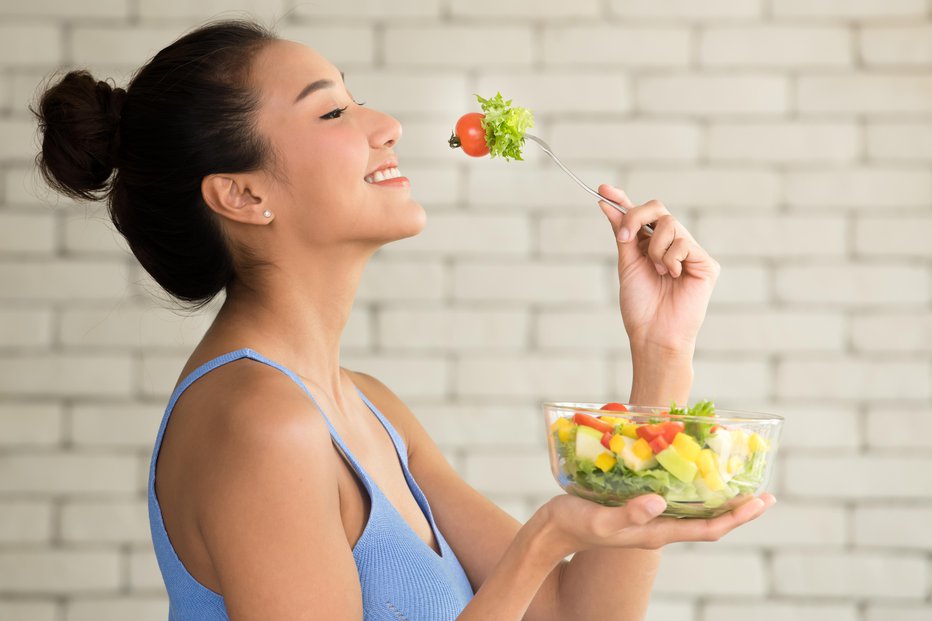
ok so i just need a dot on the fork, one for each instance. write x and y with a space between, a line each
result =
546 148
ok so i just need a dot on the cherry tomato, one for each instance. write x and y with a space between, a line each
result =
615 407
470 135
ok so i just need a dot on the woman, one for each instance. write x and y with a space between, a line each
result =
243 164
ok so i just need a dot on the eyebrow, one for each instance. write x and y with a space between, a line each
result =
316 86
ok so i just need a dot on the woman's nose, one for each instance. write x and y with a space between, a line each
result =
387 132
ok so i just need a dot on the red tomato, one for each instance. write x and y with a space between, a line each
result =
615 407
591 421
606 439
670 428
658 444
470 135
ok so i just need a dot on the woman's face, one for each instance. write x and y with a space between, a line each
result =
325 154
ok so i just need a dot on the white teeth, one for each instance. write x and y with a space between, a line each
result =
382 175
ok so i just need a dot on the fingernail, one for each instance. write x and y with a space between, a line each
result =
624 235
661 268
656 505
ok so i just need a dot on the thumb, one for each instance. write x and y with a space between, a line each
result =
628 249
614 216
643 509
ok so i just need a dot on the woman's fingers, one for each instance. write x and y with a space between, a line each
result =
676 255
716 528
648 213
663 237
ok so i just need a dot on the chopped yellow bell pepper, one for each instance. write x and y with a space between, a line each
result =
617 443
564 428
714 480
641 449
706 461
756 443
630 430
686 446
605 462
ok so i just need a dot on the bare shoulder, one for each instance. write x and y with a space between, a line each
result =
255 402
270 509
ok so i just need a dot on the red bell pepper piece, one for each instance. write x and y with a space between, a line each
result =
670 428
615 407
649 432
591 421
658 444
606 439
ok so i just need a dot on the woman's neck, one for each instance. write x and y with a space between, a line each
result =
296 315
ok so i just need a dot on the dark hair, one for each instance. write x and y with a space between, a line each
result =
189 112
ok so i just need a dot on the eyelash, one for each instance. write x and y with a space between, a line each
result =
335 114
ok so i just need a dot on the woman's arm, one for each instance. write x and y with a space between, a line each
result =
511 566
658 379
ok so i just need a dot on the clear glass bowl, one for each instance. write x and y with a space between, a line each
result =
703 466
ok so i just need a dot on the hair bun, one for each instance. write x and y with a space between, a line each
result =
111 106
79 118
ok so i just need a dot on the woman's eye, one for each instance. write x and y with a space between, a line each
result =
335 114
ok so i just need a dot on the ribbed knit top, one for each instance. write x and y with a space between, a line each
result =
401 576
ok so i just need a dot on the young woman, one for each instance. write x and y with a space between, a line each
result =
289 487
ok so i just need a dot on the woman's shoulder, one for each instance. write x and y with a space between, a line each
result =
245 401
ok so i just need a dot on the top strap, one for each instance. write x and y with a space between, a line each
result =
246 352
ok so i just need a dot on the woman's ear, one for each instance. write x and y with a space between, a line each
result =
231 196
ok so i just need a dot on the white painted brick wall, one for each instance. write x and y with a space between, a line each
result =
861 575
107 9
117 608
755 95
783 142
849 9
776 46
793 137
69 572
779 611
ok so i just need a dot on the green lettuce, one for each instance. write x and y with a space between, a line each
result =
504 126
698 430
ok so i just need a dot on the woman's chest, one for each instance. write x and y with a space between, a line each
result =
375 453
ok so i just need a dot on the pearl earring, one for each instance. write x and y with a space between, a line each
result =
267 213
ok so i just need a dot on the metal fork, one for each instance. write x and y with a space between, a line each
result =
546 148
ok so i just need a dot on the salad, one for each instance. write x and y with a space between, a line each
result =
497 131
696 465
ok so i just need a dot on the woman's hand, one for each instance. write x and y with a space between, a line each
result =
575 524
665 280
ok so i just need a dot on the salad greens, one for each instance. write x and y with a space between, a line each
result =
699 431
614 457
504 126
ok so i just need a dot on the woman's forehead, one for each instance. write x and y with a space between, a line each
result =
285 67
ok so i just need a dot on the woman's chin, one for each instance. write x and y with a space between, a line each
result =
414 221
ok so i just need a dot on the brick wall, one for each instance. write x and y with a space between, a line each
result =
794 137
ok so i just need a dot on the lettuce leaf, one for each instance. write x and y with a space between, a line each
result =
504 126
700 431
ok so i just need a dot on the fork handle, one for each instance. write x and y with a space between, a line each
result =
648 229
546 149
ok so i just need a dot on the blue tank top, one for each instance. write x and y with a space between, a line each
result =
401 576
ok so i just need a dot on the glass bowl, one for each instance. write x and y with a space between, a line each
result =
703 465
